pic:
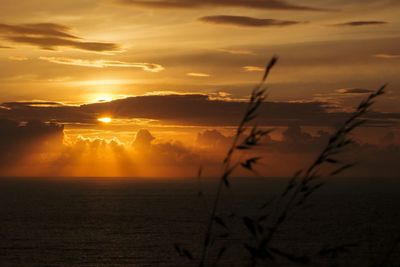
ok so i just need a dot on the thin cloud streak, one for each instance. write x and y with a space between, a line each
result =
243 21
387 56
150 67
257 4
237 51
51 36
40 29
354 91
360 23
198 74
253 69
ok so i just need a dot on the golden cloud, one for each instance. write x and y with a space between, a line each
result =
100 63
51 36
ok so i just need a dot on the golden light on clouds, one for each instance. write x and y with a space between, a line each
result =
110 68
253 68
101 63
198 74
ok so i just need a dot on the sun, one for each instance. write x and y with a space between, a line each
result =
105 120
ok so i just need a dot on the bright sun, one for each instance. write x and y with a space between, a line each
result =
105 120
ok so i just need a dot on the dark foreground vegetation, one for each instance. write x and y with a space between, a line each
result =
262 227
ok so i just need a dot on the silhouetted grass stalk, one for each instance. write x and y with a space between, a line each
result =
305 183
257 97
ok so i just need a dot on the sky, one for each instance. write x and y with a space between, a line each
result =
155 88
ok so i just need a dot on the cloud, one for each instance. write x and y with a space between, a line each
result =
213 139
354 91
198 74
387 56
175 154
100 63
253 69
4 47
38 148
295 140
17 58
143 139
257 4
301 148
361 23
34 137
16 105
163 158
46 111
51 36
243 21
38 29
237 51
14 134
50 43
190 109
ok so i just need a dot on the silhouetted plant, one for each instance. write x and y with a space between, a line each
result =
306 182
250 141
263 227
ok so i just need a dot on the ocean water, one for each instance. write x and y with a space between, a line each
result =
112 223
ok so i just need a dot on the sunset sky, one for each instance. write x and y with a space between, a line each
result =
155 88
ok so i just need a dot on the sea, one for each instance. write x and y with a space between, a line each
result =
90 222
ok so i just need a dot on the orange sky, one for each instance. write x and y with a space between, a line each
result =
169 61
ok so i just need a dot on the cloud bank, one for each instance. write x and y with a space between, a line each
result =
51 36
192 110
41 149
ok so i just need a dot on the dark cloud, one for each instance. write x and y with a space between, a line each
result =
16 139
247 21
16 105
171 153
373 160
197 109
40 29
213 139
194 109
49 43
361 23
16 134
295 140
51 36
26 111
165 158
258 4
143 139
301 148
354 91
